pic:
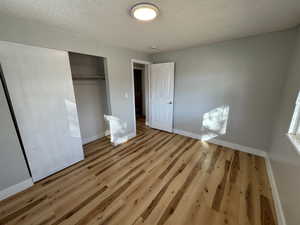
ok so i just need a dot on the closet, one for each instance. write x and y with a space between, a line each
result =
89 81
58 100
40 86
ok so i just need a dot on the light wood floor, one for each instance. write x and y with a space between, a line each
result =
155 178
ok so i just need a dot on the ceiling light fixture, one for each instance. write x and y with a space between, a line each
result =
144 11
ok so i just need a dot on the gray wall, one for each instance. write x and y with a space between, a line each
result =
245 74
13 169
118 59
91 106
285 160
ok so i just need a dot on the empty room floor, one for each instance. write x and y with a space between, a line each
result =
155 178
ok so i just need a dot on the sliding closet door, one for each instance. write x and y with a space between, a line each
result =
40 86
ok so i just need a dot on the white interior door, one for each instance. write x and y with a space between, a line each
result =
40 86
162 96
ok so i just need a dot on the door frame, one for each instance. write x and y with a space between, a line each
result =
147 68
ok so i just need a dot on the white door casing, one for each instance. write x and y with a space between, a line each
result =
162 96
40 85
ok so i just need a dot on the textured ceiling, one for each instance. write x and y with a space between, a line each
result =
182 23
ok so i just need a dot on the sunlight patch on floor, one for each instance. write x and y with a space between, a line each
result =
118 129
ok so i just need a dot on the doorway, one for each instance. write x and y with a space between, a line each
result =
139 92
153 91
140 77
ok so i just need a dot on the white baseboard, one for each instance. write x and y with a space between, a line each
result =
147 123
187 134
15 189
90 139
254 151
238 147
275 193
227 144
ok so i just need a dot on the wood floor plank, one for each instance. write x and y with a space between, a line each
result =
156 178
245 211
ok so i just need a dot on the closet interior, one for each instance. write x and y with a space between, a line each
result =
90 89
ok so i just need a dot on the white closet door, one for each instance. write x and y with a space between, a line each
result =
162 95
40 86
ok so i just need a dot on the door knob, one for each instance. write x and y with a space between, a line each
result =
170 102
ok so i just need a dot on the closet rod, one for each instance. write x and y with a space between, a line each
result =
88 78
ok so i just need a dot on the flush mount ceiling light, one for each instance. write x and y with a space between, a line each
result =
144 11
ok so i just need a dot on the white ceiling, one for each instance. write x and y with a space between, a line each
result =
182 23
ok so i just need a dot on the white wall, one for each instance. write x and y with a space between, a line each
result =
285 160
245 74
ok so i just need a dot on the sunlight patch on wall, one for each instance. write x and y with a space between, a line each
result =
118 130
214 123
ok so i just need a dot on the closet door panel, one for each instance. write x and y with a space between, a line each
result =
40 85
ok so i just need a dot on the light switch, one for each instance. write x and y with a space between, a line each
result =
126 95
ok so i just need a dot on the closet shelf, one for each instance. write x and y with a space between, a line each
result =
97 77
